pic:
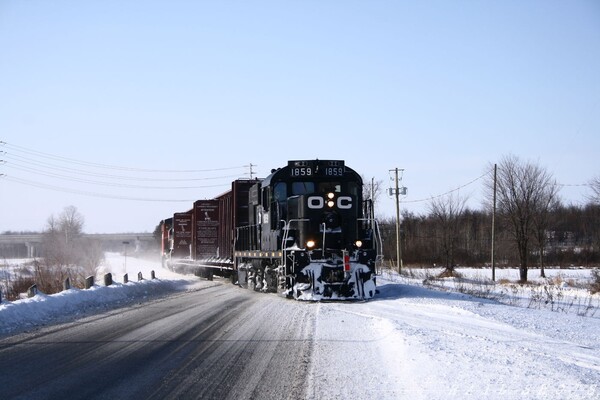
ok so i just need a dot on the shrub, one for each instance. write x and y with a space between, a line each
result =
449 273
18 286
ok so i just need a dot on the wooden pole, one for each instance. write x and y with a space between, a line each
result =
494 228
398 240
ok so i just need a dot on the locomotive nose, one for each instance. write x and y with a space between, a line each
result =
332 220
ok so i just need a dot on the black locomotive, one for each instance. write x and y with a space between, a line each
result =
304 231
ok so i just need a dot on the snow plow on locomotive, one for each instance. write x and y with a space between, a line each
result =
304 231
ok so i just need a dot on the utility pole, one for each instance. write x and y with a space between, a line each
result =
494 227
397 191
251 171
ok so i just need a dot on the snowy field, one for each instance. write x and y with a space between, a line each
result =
419 338
563 290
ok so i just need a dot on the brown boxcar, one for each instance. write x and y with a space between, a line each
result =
233 213
206 229
182 234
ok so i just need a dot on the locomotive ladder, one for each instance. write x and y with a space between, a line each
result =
286 236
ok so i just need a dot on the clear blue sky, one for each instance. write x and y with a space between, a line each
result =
441 89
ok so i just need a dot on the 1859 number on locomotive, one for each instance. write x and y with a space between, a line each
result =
301 171
316 167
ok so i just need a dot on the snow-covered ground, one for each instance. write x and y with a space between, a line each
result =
46 309
563 290
418 343
410 341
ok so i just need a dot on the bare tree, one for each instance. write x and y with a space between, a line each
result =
447 211
525 191
59 237
54 244
70 223
67 253
542 219
595 185
372 190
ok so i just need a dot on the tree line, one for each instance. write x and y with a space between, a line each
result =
531 226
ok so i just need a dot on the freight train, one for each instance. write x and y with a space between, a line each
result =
304 231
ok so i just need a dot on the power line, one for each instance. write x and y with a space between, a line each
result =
477 179
92 194
448 192
19 160
28 162
108 166
101 183
574 184
25 168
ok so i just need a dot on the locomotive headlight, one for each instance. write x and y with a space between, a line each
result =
358 243
310 244
330 202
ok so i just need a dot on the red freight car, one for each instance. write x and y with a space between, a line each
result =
182 235
233 213
206 229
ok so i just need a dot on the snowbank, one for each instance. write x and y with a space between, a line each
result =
71 304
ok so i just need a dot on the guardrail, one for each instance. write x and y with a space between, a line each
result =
89 283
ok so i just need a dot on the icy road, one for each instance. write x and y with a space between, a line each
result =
223 342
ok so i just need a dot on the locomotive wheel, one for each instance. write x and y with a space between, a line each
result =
252 282
258 279
288 288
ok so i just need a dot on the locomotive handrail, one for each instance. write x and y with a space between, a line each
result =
287 224
245 226
377 235
324 226
379 256
286 232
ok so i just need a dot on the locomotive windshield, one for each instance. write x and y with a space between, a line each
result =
302 188
299 188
